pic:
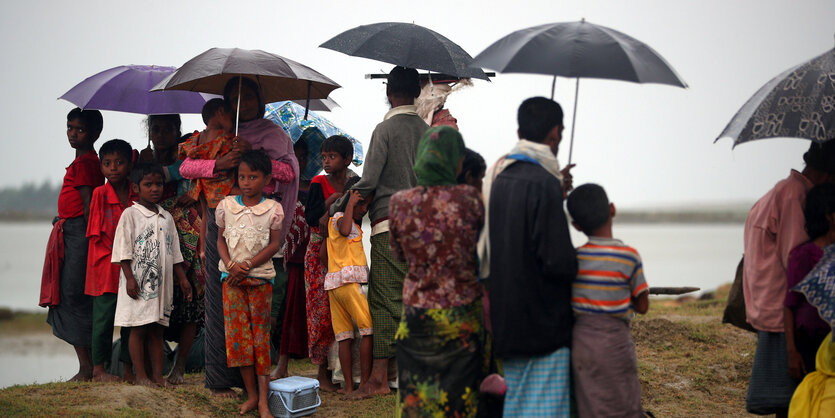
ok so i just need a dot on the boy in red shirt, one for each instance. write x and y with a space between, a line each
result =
102 283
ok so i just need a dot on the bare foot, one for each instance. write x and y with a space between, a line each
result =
367 390
175 377
249 405
146 382
129 376
81 377
264 410
106 378
278 374
224 393
327 386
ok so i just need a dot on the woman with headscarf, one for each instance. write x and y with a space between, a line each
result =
441 350
257 133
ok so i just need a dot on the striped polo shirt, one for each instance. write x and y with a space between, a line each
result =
610 274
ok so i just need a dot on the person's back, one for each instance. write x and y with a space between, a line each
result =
609 288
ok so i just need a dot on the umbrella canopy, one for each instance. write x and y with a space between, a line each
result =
407 45
314 129
580 50
819 286
319 105
279 78
126 89
798 103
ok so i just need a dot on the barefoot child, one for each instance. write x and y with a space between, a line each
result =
347 269
62 290
249 227
609 286
337 152
147 247
106 207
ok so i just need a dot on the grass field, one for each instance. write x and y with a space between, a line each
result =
689 363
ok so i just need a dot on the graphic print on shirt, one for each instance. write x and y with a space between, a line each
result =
146 265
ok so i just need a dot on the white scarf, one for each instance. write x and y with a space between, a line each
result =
543 155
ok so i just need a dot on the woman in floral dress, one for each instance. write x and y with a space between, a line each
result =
441 347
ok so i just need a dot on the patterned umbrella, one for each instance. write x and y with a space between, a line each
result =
819 286
290 116
799 103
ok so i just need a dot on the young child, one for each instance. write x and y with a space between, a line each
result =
249 227
337 152
609 286
805 330
147 247
62 288
106 207
213 143
347 269
472 169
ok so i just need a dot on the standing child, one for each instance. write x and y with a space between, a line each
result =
805 330
106 207
347 270
337 152
249 228
610 285
62 289
147 247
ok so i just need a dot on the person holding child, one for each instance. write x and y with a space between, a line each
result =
347 271
609 288
62 288
147 247
186 316
249 226
336 153
102 283
442 353
525 250
775 226
254 132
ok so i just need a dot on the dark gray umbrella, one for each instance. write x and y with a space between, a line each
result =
407 45
798 103
580 50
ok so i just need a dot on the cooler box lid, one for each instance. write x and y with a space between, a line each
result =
293 384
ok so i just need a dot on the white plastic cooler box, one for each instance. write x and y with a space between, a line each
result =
294 396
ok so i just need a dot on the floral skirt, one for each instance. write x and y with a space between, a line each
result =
188 223
246 317
319 329
441 361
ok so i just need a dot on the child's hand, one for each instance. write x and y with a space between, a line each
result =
332 198
185 200
354 198
796 367
132 287
185 287
228 161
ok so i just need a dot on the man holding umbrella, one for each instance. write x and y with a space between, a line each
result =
389 168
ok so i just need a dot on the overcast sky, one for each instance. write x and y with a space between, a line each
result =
648 145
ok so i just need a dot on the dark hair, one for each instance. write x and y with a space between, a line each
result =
404 82
172 118
301 146
142 169
820 202
212 106
536 117
588 206
92 120
821 156
473 164
340 145
257 160
232 85
116 146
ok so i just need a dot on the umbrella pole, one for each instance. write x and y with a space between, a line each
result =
307 103
238 111
573 120
553 87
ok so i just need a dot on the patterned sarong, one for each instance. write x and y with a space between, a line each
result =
538 386
319 329
246 316
385 295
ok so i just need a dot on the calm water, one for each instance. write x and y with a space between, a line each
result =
701 255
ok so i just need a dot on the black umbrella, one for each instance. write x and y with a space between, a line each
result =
580 50
407 45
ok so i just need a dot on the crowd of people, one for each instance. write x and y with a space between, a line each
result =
474 299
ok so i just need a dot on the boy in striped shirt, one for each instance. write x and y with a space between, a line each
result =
609 288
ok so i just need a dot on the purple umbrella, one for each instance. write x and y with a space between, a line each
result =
126 88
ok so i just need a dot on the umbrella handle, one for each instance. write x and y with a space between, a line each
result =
238 111
307 103
553 87
573 120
